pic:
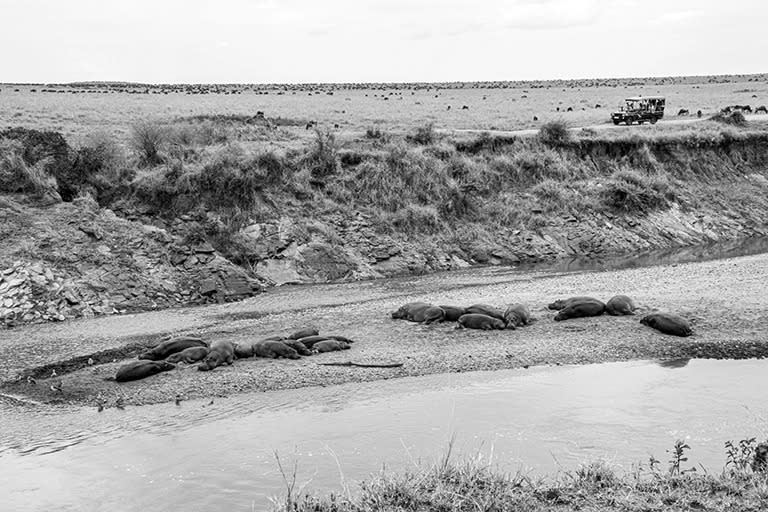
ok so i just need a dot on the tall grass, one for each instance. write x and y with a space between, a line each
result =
148 140
630 191
474 484
16 175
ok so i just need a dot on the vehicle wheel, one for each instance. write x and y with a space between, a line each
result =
629 122
653 121
616 122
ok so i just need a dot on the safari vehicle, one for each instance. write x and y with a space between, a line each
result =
639 110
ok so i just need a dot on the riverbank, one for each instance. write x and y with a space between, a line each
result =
724 300
218 208
471 485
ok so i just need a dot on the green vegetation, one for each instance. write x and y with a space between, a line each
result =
474 485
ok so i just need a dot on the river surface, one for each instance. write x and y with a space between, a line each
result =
220 455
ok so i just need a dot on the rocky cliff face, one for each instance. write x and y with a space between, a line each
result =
73 260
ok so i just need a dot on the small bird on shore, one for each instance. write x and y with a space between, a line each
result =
90 361
31 380
178 399
53 373
119 403
56 386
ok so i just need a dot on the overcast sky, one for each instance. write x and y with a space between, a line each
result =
377 40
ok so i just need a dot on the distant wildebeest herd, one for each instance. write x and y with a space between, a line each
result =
487 317
190 350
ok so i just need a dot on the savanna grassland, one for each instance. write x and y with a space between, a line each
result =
78 109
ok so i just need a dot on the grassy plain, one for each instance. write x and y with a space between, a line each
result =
391 107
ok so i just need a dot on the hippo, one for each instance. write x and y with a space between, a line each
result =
141 369
298 346
579 309
620 305
221 352
485 309
274 350
420 312
562 303
329 346
668 323
189 355
303 333
479 321
517 315
309 341
173 345
452 313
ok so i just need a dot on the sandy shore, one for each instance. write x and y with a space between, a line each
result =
726 301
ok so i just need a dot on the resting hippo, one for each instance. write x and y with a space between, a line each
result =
303 333
485 309
668 323
406 311
452 313
171 346
189 355
298 346
136 370
329 346
274 350
620 305
582 308
562 303
341 338
420 312
478 321
309 341
222 352
517 315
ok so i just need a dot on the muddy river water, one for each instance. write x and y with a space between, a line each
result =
220 454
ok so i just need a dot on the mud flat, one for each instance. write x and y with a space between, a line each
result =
725 300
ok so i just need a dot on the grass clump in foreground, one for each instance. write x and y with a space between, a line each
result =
475 485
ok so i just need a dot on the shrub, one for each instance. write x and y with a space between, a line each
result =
37 145
631 191
16 175
554 133
735 118
375 132
424 135
322 158
148 140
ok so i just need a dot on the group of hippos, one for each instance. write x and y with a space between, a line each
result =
487 317
190 350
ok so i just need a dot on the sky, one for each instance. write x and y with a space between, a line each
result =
268 41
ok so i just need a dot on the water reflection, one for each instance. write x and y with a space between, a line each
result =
670 256
221 456
674 363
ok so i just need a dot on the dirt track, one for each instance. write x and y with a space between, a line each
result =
724 299
602 126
